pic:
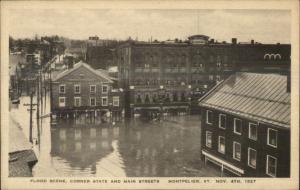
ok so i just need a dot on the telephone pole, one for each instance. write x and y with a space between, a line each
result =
30 110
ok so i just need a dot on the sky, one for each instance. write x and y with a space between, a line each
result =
265 26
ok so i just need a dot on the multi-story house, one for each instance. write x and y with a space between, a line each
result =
174 74
84 90
245 126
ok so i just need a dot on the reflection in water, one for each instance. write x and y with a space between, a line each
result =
132 148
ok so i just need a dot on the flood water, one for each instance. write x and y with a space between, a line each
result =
132 148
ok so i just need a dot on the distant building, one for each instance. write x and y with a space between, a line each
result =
173 76
100 57
33 58
245 125
198 39
83 90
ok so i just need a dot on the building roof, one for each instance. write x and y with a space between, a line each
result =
82 64
107 72
198 36
256 96
18 141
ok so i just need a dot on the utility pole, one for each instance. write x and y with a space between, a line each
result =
38 98
38 106
41 90
51 98
30 110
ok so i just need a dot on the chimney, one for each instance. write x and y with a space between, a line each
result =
70 62
234 40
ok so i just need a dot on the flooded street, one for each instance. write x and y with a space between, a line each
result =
132 148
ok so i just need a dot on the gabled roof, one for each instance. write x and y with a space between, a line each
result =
106 72
82 64
260 97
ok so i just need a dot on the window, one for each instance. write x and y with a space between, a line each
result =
62 88
237 151
138 99
271 166
252 131
208 139
77 89
104 89
221 147
77 101
211 77
92 101
237 126
222 121
252 158
62 101
104 101
116 101
209 117
92 88
218 78
272 137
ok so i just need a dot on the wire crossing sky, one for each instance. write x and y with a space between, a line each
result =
265 26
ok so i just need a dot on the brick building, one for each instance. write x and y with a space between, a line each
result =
245 126
82 89
173 75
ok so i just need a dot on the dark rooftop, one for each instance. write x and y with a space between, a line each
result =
260 97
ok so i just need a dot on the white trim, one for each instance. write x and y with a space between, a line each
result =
116 98
206 144
267 56
219 144
220 121
229 165
102 88
75 101
91 101
77 66
233 155
249 131
105 97
249 158
234 126
77 85
268 138
62 98
267 164
91 88
277 55
64 89
207 122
